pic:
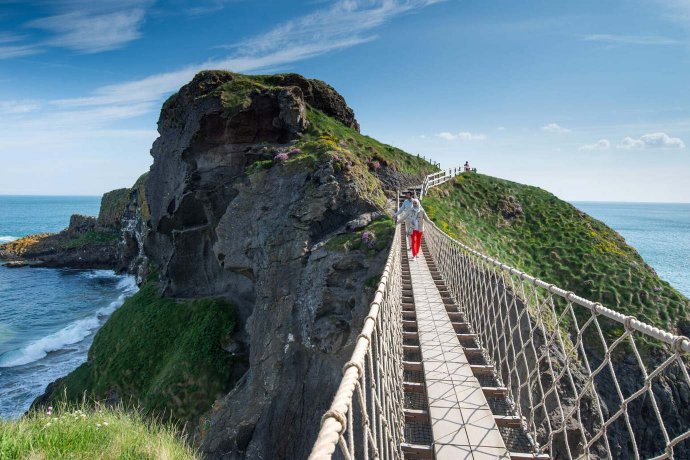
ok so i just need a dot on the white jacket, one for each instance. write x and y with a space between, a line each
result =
414 220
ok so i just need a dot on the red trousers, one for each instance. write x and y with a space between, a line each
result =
416 241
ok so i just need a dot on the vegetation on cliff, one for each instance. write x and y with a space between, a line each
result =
88 432
113 205
334 132
540 234
164 356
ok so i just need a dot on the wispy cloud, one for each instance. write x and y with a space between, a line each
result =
652 141
612 39
555 128
18 107
344 24
601 144
344 20
92 27
12 46
461 136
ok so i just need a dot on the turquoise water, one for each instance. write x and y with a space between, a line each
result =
24 215
659 231
48 317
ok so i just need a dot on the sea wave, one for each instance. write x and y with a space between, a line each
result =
8 239
70 334
100 274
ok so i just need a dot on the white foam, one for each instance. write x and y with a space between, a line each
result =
72 333
7 239
103 274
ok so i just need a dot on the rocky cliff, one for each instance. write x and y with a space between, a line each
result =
90 242
259 193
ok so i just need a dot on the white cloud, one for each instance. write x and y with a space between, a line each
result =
92 27
652 141
631 39
601 144
17 107
341 25
345 24
11 46
501 128
462 136
554 128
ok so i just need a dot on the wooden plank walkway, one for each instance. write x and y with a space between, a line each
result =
463 425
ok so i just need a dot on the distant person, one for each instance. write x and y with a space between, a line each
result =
467 166
417 215
403 212
407 204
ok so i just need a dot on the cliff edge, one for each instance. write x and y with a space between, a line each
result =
260 190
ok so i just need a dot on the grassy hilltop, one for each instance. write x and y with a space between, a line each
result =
536 232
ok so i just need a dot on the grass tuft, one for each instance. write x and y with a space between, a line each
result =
91 432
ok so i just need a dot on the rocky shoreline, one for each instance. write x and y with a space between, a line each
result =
109 241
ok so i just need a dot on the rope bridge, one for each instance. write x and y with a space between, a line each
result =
573 379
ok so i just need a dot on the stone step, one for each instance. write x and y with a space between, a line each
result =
412 365
414 387
417 415
482 369
495 391
417 451
527 456
508 421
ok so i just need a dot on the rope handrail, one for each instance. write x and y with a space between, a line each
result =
640 326
586 381
372 380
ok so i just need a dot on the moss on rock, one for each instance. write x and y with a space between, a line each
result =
113 205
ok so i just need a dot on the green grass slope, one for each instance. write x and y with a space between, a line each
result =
554 241
324 133
88 433
165 357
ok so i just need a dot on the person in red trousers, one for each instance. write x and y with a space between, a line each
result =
416 219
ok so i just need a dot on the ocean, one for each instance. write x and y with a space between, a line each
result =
48 317
659 231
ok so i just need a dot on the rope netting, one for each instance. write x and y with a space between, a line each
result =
587 381
366 419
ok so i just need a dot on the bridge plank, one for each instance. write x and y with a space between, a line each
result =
462 423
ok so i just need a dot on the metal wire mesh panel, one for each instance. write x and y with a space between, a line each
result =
366 419
588 381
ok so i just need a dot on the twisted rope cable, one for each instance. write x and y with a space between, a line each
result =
366 416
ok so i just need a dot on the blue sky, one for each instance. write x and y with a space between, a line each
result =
587 99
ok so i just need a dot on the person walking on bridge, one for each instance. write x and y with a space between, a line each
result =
402 212
407 204
417 215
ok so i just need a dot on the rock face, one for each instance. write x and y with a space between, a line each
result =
81 245
113 240
258 240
